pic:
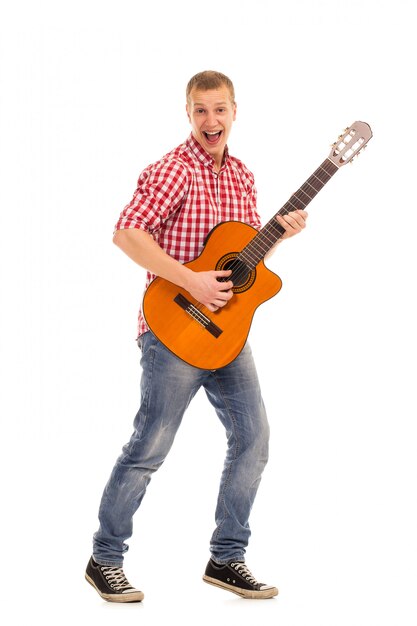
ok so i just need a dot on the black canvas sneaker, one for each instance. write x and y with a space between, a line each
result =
111 583
236 577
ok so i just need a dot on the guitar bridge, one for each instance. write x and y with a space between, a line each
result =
197 315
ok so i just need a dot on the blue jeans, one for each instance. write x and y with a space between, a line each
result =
167 387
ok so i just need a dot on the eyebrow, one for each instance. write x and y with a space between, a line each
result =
200 104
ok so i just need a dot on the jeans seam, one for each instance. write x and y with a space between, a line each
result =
144 404
226 481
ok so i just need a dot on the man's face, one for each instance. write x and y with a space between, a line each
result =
211 114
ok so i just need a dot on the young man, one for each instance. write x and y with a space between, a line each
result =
177 202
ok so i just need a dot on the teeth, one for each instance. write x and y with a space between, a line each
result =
215 133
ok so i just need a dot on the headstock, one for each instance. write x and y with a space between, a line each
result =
350 143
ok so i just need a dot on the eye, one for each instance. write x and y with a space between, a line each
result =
199 111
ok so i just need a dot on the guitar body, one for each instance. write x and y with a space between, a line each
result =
196 335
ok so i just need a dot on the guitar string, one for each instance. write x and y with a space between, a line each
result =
267 232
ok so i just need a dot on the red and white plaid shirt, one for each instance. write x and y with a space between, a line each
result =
180 198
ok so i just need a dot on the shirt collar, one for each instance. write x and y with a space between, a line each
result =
202 155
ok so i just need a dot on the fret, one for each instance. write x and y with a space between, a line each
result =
267 237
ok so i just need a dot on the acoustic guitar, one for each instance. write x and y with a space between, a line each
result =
211 340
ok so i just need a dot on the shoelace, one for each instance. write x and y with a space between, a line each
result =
116 578
245 572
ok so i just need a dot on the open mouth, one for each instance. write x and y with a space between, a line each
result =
212 138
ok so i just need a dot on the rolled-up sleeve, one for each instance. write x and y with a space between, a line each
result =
160 192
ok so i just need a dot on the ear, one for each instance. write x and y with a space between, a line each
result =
188 112
234 111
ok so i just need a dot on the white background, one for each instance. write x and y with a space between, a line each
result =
91 92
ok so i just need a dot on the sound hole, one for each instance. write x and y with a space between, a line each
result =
241 276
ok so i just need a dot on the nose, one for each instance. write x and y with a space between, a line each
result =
211 119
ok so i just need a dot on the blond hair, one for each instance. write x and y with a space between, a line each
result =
209 80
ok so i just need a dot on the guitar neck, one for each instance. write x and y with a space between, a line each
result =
267 237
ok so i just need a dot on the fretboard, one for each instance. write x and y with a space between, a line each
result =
267 237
